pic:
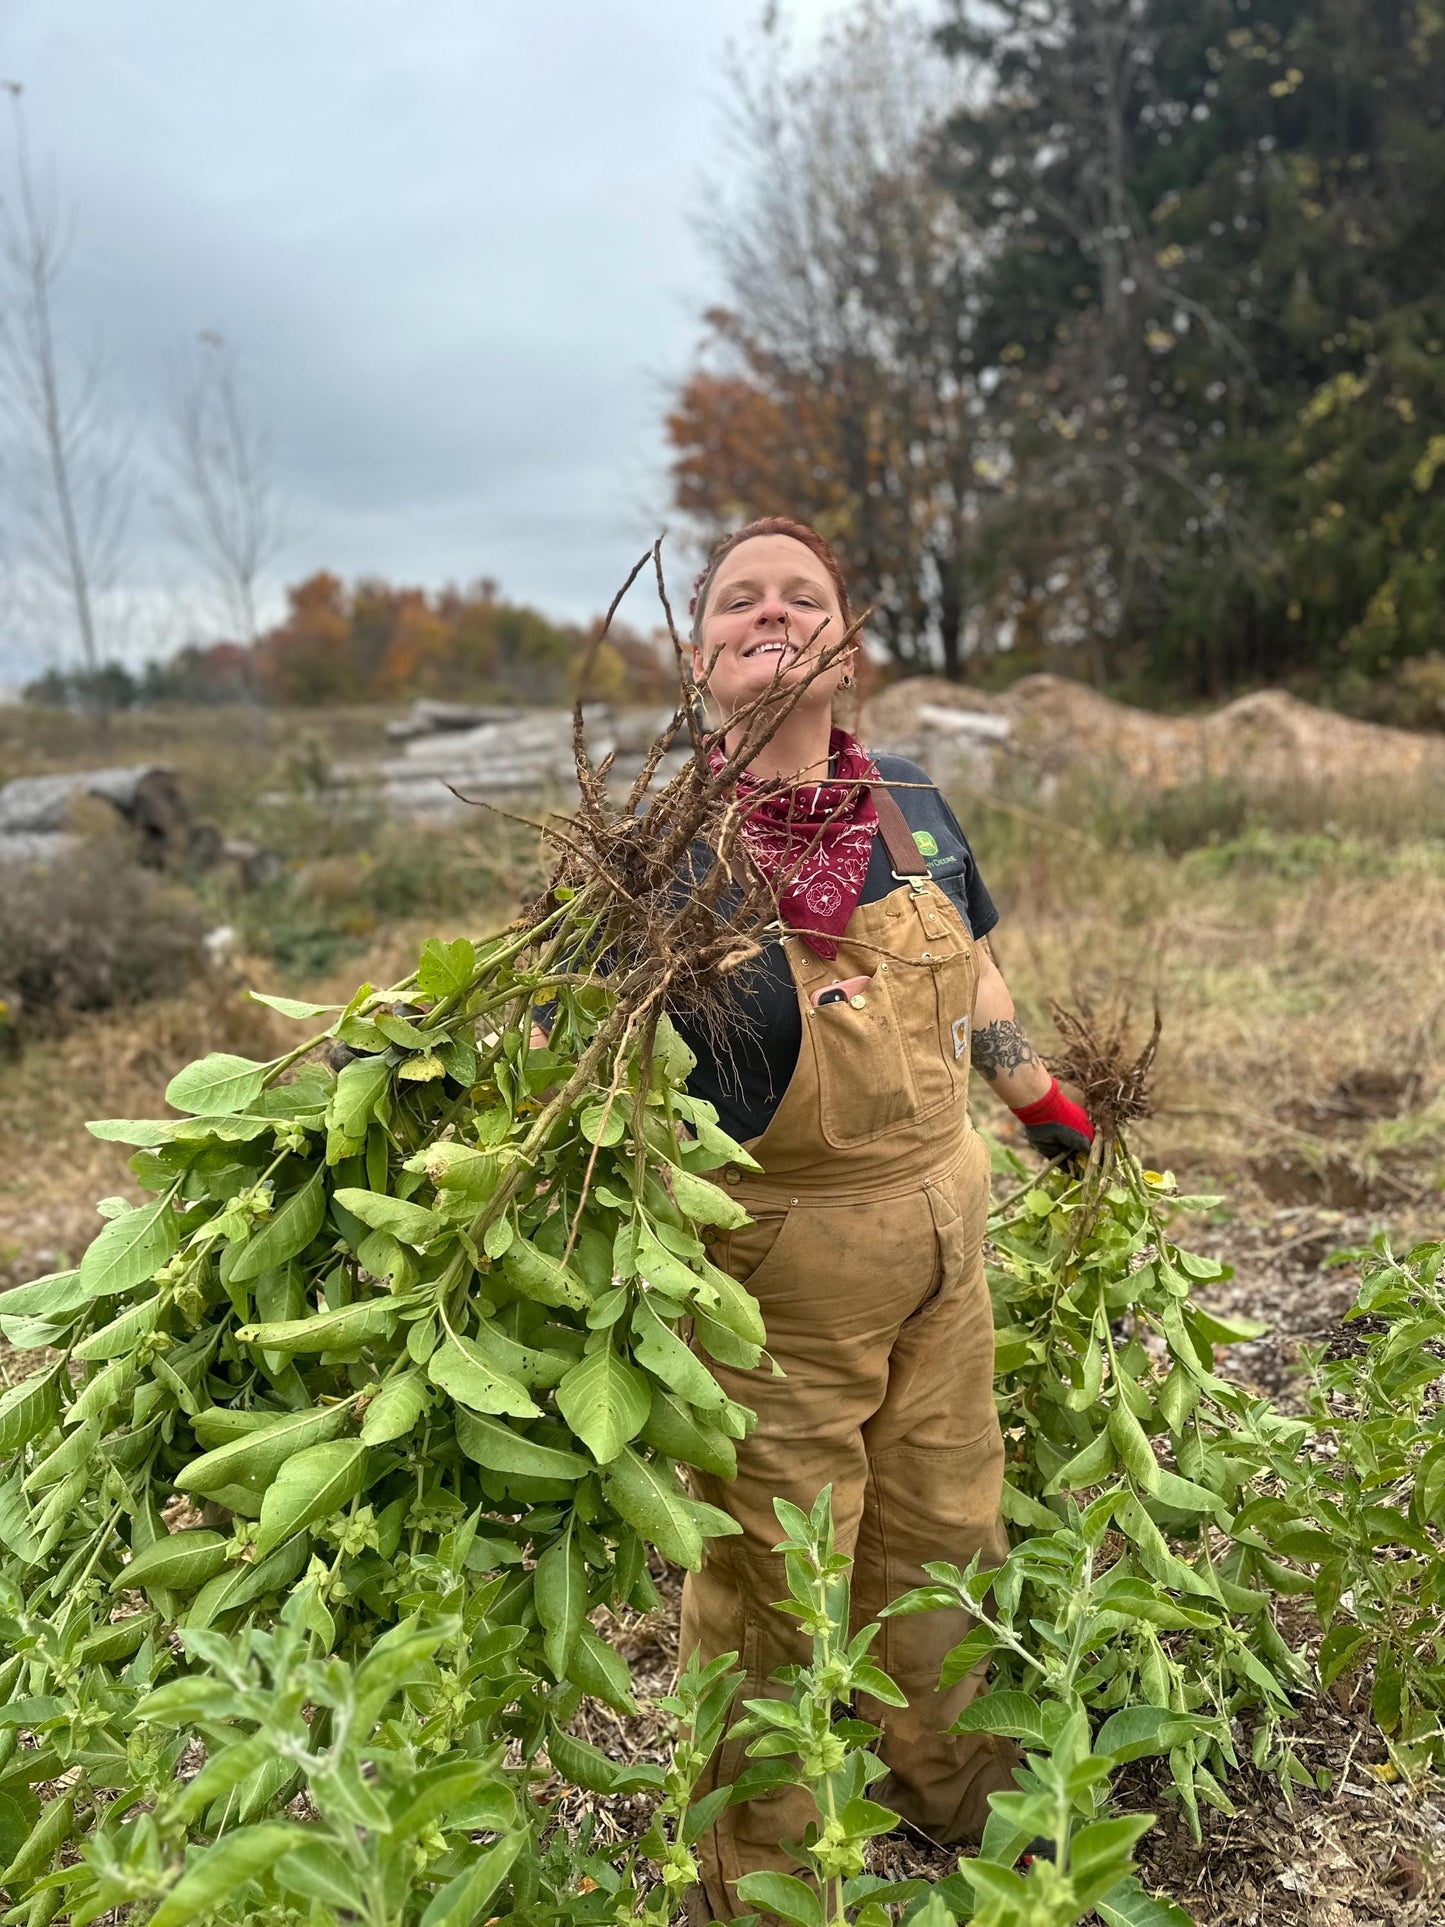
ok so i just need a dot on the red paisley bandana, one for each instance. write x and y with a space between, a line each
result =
814 841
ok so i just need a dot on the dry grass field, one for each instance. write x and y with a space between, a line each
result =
1295 957
1296 964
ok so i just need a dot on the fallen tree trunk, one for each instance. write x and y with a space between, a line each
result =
35 812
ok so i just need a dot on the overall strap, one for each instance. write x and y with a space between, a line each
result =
903 853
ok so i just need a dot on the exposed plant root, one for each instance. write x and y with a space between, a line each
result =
1096 1060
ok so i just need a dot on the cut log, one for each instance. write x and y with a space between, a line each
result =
35 815
430 718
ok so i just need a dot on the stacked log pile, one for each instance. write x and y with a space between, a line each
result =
515 751
35 814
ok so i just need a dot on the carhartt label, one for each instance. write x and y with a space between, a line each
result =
960 1036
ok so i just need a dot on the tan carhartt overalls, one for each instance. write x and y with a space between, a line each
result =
866 1256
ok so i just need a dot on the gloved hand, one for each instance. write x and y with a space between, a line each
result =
1055 1125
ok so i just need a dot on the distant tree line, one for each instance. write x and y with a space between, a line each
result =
1103 335
374 642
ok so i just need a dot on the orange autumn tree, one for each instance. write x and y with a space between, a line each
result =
376 641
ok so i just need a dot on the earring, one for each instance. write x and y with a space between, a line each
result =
847 682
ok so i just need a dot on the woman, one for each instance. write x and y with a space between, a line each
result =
847 1080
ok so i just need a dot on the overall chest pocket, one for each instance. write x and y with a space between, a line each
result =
896 1062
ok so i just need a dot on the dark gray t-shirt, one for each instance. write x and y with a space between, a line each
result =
746 1077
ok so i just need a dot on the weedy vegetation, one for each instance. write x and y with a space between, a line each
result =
339 1452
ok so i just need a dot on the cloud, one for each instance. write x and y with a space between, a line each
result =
451 241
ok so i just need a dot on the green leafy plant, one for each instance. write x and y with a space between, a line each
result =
392 1351
1113 1390
1367 1509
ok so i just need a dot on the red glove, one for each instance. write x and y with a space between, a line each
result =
1054 1124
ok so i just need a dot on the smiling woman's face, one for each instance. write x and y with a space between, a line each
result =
769 610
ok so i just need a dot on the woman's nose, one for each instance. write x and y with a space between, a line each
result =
770 609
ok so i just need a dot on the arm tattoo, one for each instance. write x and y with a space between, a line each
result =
1001 1046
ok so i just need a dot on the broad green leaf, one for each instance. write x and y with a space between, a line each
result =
1128 1905
34 1710
560 1591
1182 1495
1226 1331
646 1493
318 1872
589 1767
29 1409
122 1334
705 1202
1430 1486
311 1486
721 1341
425 1068
463 1901
327 1331
290 1006
659 1350
362 1092
601 1670
224 1868
394 1411
960 1661
543 1278
446 969
603 1124
17 1526
55 1295
180 1562
1015 1715
1338 1649
460 1369
130 1250
284 1235
145 1133
674 1429
459 1171
1099 1853
1091 1466
524 1363
257 1456
41 1839
606 1402
1137 1731
412 1224
663 1269
495 1445
221 1130
1159 1562
782 1894
217 1086
238 1586
446 1792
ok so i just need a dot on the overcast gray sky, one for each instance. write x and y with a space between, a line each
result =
454 241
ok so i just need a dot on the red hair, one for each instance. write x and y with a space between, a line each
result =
768 525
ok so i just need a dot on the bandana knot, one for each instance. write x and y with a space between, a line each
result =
813 842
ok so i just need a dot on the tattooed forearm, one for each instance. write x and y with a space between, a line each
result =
1001 1047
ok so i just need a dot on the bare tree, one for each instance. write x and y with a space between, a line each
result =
848 273
70 460
224 506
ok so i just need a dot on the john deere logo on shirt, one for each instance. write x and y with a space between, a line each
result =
927 842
